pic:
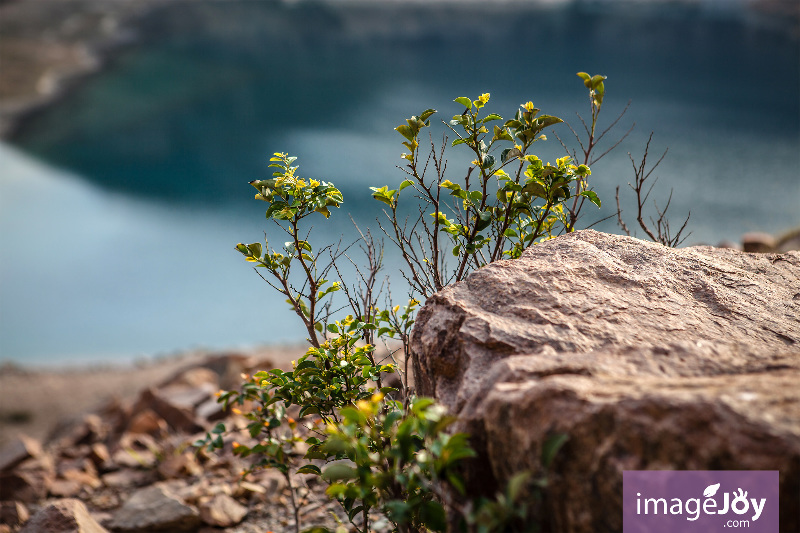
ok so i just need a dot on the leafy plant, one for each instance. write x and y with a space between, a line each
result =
507 200
379 447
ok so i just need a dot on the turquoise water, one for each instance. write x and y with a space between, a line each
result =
120 244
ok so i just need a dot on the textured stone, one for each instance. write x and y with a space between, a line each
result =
13 513
155 509
177 417
99 455
193 378
647 357
23 447
63 516
65 488
29 481
178 465
758 242
185 397
222 511
211 410
127 478
148 422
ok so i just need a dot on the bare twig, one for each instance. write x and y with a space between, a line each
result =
659 229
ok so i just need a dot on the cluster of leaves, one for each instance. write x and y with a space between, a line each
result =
394 458
291 199
378 447
505 203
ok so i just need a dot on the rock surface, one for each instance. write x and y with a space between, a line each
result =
222 511
155 509
64 516
646 357
23 447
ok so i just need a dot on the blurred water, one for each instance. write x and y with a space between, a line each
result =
128 249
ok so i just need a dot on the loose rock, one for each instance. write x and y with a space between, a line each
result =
155 509
63 516
21 448
222 511
13 514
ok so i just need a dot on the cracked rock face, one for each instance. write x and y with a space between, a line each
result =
647 357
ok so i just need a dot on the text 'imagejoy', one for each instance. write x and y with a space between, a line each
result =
708 501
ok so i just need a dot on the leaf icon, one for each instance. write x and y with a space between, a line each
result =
711 490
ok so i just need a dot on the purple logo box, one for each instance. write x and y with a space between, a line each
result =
724 501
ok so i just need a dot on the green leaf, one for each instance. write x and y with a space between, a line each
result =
426 114
219 428
551 446
458 141
433 516
405 184
545 121
517 484
339 471
597 79
592 196
463 100
587 80
398 510
309 469
491 116
456 481
405 131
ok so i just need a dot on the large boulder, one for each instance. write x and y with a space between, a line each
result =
646 357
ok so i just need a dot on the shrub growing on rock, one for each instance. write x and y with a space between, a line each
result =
337 413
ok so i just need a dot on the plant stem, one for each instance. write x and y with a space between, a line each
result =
295 507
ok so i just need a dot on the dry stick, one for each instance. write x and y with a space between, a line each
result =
640 177
619 216
661 224
294 503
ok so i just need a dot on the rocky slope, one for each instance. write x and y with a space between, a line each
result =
130 467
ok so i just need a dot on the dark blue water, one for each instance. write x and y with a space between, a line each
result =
177 126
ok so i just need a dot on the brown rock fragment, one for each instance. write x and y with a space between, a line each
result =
23 447
29 481
127 477
63 516
155 509
99 454
193 378
758 242
13 514
179 465
222 511
65 488
147 422
177 417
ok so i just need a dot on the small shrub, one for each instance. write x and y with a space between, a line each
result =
379 447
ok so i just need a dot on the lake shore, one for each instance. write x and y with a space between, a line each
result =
47 47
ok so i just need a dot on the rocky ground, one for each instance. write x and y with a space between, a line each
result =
127 464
